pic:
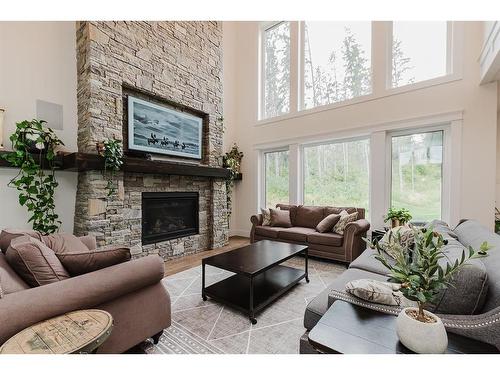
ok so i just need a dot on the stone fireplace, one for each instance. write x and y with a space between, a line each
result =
172 63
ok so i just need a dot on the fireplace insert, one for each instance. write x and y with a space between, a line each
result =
166 216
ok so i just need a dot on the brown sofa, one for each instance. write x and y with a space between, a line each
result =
132 292
304 219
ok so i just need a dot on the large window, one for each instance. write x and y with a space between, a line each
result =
276 85
337 174
417 174
276 177
419 51
336 62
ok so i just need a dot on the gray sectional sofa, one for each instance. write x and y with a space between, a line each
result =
471 308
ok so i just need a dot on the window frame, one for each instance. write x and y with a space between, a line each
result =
264 27
446 193
381 69
263 180
453 71
302 148
301 72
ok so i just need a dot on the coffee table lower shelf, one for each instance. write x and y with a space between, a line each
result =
235 291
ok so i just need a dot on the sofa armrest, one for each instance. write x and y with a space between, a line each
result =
25 308
255 220
483 327
353 238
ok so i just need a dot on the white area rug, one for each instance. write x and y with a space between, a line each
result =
209 327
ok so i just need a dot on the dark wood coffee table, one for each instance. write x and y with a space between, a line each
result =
350 329
259 277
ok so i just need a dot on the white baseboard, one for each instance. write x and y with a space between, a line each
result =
239 232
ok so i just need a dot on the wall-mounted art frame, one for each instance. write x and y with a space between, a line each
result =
158 129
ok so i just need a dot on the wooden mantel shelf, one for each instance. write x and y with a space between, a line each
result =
79 162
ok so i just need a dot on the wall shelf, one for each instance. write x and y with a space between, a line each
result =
80 162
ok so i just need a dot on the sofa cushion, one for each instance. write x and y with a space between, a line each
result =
318 306
8 235
367 262
326 225
328 239
280 218
296 234
10 281
345 218
265 231
35 262
78 263
471 233
468 290
337 210
308 216
64 243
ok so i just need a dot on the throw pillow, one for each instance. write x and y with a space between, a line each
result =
327 224
34 262
378 292
280 218
397 240
78 263
78 259
344 219
266 216
7 235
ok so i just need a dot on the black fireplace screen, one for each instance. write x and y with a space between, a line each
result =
169 215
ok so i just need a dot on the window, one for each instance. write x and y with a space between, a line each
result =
336 62
276 72
417 174
337 174
419 51
276 177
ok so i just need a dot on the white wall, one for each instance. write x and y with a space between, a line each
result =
478 105
38 61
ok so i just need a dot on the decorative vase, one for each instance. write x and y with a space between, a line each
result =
420 337
395 223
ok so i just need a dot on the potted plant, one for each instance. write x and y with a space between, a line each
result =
232 161
422 279
33 148
398 217
112 152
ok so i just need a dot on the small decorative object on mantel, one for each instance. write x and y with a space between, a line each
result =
112 152
35 185
232 161
159 129
398 217
2 114
422 276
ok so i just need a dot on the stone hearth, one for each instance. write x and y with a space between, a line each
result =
167 62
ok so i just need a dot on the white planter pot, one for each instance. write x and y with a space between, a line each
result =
429 338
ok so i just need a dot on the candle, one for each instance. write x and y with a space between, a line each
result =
2 112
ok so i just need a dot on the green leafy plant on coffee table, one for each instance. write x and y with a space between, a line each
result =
33 148
417 269
112 152
398 216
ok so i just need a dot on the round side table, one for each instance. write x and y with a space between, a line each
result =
78 332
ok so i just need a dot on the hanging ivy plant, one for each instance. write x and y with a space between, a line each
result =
33 147
112 152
